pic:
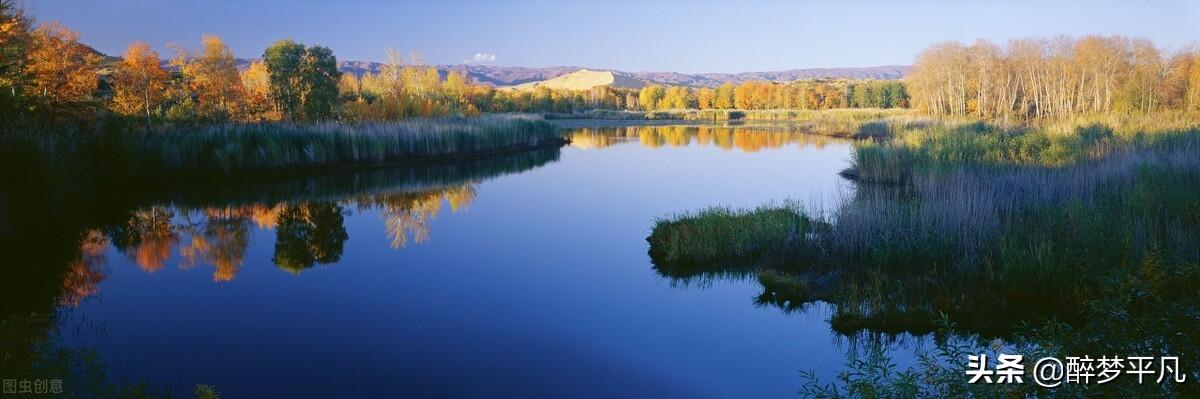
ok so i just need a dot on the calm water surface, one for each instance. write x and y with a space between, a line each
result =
530 280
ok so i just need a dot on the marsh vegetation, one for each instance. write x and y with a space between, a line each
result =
1004 232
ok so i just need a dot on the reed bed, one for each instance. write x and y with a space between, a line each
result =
1028 234
277 147
968 214
253 147
719 235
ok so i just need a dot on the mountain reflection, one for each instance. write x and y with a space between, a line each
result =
746 138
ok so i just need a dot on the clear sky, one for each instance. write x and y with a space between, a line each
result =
646 35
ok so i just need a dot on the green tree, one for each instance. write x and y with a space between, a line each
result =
319 83
303 81
860 95
284 60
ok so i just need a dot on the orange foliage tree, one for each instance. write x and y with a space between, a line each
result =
256 94
14 46
214 78
139 82
62 72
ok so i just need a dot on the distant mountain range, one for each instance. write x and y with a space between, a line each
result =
512 76
499 76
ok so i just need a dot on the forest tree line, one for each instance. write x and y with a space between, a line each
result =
752 95
1031 78
47 75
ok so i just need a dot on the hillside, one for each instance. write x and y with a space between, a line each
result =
512 76
885 72
502 76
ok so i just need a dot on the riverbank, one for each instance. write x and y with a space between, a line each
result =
282 148
722 115
843 123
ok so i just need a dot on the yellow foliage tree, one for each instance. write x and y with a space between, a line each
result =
725 96
215 79
139 82
14 47
256 94
705 98
62 72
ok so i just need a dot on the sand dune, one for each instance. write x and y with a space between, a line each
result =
585 79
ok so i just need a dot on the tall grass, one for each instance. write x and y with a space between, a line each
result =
721 236
275 147
230 148
915 149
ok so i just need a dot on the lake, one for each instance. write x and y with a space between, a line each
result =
525 276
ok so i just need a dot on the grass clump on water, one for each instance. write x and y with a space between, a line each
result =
723 236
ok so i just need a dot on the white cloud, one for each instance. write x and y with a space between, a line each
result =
481 58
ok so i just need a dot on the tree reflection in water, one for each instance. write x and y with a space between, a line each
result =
309 233
58 224
306 232
750 138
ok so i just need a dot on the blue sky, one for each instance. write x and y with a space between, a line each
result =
681 36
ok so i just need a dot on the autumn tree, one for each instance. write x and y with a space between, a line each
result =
650 96
15 41
350 87
214 77
725 96
257 95
1036 78
705 98
742 96
677 97
1142 87
139 82
1192 93
62 72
